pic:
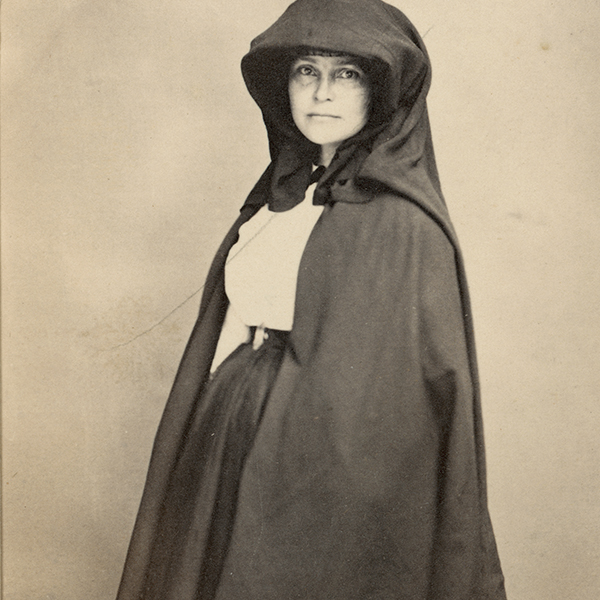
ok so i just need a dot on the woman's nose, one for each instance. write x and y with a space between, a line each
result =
324 90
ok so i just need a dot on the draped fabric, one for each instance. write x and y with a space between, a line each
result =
366 479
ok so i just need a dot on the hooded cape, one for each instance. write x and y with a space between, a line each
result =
367 476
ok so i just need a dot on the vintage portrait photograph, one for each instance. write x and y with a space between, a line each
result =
300 300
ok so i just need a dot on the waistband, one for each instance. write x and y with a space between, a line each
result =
264 336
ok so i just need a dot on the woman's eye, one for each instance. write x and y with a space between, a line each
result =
304 70
349 74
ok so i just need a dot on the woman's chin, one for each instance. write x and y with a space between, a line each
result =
324 139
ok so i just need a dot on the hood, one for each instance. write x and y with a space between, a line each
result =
393 154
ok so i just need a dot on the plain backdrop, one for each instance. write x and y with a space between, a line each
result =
129 143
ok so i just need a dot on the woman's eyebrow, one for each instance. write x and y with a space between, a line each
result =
307 58
346 61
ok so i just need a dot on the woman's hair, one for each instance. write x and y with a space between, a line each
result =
359 61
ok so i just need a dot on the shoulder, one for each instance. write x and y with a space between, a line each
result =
388 222
404 213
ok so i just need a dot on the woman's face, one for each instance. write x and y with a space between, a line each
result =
329 98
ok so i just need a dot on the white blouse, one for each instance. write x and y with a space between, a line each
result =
262 270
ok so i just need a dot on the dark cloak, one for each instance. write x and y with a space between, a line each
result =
367 476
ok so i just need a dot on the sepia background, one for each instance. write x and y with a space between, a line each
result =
129 143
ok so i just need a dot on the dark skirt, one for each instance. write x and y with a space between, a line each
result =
197 518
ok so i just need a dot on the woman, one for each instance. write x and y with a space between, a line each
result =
336 452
